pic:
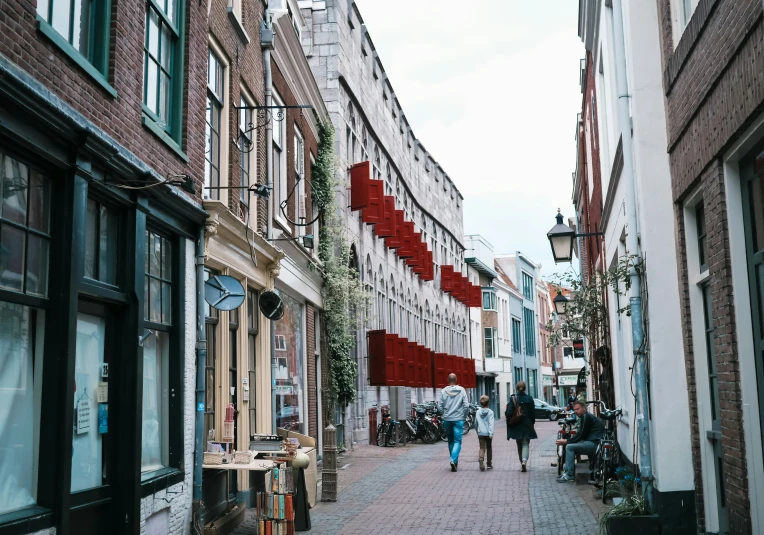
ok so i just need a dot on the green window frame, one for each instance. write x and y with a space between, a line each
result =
163 70
489 300
530 334
81 29
516 336
527 286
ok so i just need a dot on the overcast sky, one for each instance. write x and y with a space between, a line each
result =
491 89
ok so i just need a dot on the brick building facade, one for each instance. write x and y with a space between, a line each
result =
97 277
713 74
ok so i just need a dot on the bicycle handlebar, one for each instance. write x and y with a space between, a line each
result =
604 407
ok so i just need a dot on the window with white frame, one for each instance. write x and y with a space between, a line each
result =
214 147
489 300
279 193
489 334
248 152
299 169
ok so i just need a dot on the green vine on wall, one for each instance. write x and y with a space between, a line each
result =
343 294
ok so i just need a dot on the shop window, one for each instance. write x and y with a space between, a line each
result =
163 68
288 402
213 149
233 372
252 327
22 331
89 448
24 228
156 352
101 236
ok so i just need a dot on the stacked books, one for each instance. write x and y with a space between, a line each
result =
275 506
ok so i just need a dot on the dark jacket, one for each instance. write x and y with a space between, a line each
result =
591 429
525 428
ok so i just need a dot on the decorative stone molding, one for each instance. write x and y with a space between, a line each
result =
210 230
273 269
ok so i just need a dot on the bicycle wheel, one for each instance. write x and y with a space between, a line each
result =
429 434
443 434
604 479
467 425
403 432
381 435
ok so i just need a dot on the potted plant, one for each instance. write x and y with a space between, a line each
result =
631 516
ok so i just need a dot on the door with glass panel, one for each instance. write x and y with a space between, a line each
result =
92 475
752 176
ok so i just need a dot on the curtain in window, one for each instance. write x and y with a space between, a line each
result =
154 449
21 335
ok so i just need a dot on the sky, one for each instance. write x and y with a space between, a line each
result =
491 89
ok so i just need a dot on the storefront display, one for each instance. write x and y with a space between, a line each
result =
287 367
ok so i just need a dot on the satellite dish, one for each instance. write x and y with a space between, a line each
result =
271 305
223 292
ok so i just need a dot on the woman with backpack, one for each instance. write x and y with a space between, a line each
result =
520 421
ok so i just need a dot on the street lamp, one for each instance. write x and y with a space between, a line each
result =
561 239
560 304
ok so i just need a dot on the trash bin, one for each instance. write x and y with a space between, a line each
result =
373 426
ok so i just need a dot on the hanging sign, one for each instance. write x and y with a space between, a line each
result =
83 414
567 380
578 349
581 378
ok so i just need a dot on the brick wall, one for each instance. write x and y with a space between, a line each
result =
713 80
245 67
118 117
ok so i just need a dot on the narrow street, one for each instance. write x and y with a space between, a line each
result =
411 490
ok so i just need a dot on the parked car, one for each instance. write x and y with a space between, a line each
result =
545 410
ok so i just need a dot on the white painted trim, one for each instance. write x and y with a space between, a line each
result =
741 296
225 116
699 350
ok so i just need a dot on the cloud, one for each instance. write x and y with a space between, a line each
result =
491 89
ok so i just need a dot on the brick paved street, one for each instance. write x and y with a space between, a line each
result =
412 491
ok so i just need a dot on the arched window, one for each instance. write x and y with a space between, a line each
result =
427 326
381 299
438 346
409 327
452 334
401 312
364 144
391 305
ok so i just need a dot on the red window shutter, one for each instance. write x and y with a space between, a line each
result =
415 259
456 288
377 362
421 269
440 370
386 229
476 296
399 353
373 213
394 241
447 278
406 250
360 176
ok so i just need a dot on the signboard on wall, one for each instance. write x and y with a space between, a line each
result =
578 349
567 380
582 378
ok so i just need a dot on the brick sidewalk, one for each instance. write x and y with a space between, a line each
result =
411 490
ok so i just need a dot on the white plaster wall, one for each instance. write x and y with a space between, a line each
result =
177 498
670 424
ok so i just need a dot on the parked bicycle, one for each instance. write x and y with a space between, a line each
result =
566 431
389 431
608 455
421 426
469 420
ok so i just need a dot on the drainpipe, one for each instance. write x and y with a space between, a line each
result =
267 28
201 362
632 247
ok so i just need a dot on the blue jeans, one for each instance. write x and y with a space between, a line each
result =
586 447
454 433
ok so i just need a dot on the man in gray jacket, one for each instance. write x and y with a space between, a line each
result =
454 406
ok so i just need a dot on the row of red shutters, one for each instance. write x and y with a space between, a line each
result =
379 210
396 361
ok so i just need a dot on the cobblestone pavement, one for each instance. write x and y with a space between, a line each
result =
411 490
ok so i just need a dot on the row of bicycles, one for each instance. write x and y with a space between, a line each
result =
607 456
425 424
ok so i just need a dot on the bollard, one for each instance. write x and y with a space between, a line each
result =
329 472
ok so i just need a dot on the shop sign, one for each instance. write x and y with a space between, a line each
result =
578 349
582 378
548 380
567 380
284 390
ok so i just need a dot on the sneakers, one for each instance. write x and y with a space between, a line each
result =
565 478
482 466
453 466
490 467
523 469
